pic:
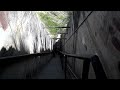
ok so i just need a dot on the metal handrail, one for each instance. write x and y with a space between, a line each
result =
76 56
97 66
16 58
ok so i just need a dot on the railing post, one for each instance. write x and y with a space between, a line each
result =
65 66
86 65
61 59
98 69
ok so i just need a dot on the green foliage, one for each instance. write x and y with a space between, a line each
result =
52 20
49 22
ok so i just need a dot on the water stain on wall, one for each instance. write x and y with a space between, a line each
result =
116 22
116 43
115 40
111 30
85 47
95 34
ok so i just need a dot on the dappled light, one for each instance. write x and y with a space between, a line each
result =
24 31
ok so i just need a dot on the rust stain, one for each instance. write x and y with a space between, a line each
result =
3 19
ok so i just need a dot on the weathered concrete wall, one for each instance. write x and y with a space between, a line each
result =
99 34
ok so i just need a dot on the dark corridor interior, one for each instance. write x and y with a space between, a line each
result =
89 48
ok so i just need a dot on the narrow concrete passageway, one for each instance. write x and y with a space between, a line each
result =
53 70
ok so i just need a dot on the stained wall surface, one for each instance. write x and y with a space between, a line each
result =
98 35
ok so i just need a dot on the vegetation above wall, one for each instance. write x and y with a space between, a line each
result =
54 19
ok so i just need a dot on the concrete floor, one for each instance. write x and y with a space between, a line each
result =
53 70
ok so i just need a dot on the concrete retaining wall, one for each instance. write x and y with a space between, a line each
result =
99 34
